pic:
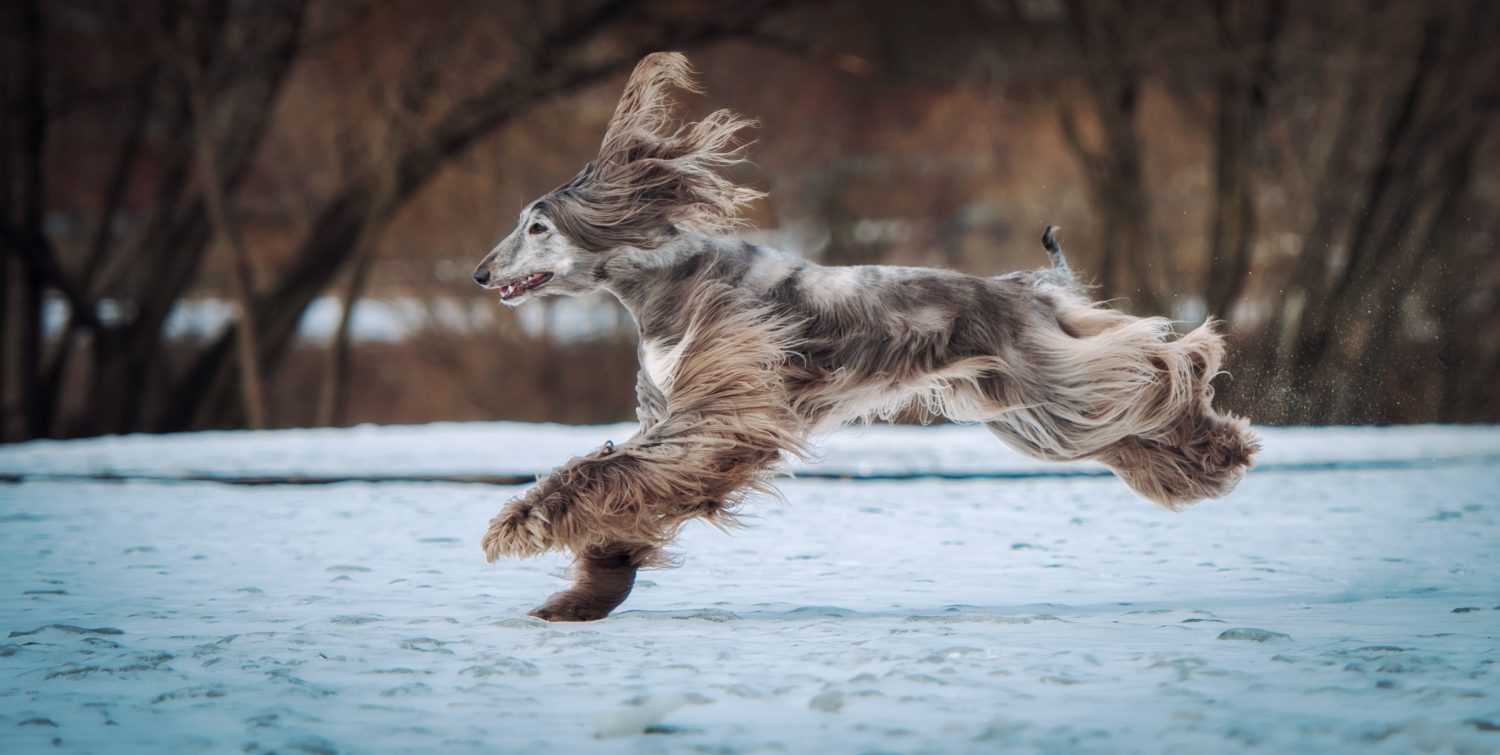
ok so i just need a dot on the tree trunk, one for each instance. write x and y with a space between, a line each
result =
1309 371
1110 50
1429 134
166 255
114 195
360 208
242 274
332 392
1240 94
24 194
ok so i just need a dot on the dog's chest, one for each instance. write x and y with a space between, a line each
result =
659 359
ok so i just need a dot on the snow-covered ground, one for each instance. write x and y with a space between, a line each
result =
1345 598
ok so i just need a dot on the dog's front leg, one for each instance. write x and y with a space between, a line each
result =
603 572
541 519
701 448
525 526
650 402
616 508
602 579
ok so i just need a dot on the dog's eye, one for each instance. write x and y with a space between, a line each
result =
536 228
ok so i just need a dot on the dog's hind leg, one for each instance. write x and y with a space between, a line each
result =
1127 392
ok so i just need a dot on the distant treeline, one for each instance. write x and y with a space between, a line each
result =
1320 176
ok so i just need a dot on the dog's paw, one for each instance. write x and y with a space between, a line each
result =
571 606
519 530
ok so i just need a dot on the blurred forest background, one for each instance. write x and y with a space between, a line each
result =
265 213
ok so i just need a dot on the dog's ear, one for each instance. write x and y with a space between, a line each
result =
644 113
653 172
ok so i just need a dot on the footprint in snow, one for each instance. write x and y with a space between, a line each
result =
1251 634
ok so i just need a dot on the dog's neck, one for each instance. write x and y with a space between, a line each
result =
651 283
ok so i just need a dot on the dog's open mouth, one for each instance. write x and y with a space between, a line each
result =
516 288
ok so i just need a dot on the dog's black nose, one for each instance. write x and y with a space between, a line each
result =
482 276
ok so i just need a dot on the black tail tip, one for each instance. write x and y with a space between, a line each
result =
1049 240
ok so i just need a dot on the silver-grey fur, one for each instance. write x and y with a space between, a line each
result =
747 353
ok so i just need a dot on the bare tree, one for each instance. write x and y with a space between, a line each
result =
1339 151
1423 135
1246 35
28 258
251 46
1112 42
192 52
554 64
221 90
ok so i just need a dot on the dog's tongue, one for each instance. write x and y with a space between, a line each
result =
519 287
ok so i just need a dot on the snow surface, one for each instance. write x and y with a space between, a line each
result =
1343 599
518 449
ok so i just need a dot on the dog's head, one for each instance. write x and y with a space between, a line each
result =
653 178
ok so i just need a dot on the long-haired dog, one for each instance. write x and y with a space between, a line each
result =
747 352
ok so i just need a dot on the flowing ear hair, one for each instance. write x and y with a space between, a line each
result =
654 173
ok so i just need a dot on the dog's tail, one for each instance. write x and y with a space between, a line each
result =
1054 250
1059 275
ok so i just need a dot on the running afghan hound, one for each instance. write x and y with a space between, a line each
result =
747 352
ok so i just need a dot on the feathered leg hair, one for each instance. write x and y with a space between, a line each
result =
1126 391
726 422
